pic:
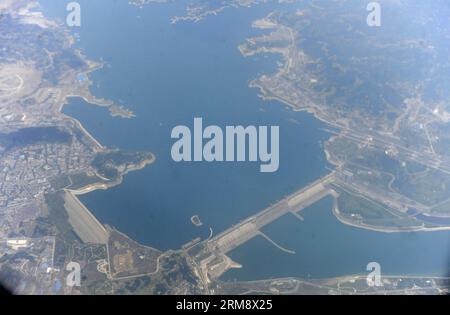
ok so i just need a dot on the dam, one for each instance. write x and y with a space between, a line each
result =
250 227
84 223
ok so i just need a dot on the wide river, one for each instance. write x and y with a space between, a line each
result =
169 74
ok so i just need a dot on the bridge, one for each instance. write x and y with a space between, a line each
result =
250 227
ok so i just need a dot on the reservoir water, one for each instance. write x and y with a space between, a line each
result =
324 247
169 74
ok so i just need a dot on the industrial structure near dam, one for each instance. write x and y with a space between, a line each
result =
211 255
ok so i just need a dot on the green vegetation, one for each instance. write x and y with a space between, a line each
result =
58 216
60 182
74 181
429 188
382 171
111 164
174 274
370 212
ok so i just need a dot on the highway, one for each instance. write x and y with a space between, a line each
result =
244 231
434 161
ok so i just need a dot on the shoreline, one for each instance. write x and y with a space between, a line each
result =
115 111
74 193
104 228
347 278
343 220
106 185
265 95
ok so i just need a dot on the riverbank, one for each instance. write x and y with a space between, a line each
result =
347 221
83 221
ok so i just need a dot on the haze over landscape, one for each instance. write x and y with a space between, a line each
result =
89 175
